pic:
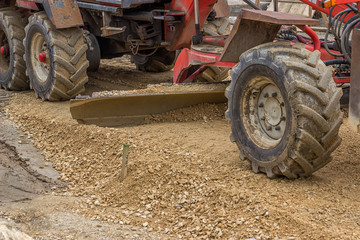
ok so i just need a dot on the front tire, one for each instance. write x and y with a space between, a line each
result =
12 64
284 110
60 72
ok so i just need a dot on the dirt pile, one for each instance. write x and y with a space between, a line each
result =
186 180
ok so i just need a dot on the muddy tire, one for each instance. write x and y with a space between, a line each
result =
93 52
284 110
60 74
12 64
161 61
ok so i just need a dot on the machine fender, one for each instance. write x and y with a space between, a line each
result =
63 13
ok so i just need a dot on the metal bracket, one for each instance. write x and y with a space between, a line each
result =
106 30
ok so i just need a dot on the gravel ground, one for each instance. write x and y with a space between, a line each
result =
185 179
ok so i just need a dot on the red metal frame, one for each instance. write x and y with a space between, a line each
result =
190 57
180 35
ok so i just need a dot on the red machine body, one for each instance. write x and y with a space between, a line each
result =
180 35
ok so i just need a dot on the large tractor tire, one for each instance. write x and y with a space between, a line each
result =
284 110
161 61
56 59
12 64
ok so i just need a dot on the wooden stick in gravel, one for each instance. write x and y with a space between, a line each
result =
124 164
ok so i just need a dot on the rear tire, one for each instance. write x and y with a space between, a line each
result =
62 75
284 110
161 61
12 64
93 54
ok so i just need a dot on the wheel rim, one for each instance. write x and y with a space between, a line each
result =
5 54
40 57
263 112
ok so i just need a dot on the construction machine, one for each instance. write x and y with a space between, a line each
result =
283 104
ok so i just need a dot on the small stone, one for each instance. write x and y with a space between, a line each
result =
97 203
145 224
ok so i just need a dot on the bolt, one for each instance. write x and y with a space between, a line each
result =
274 94
282 118
261 105
277 128
266 95
268 128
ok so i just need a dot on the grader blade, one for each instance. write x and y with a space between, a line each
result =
134 108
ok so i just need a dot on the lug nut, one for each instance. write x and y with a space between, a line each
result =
277 128
274 94
282 118
261 105
268 128
266 95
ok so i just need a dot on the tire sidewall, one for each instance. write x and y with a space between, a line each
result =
5 78
93 53
261 67
42 88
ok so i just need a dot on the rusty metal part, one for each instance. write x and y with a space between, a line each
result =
27 5
276 17
245 35
253 5
254 27
63 14
354 105
107 30
133 109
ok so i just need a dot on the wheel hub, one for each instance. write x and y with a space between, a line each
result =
271 111
4 50
39 57
42 57
4 53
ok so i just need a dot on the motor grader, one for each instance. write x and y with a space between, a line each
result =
283 104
